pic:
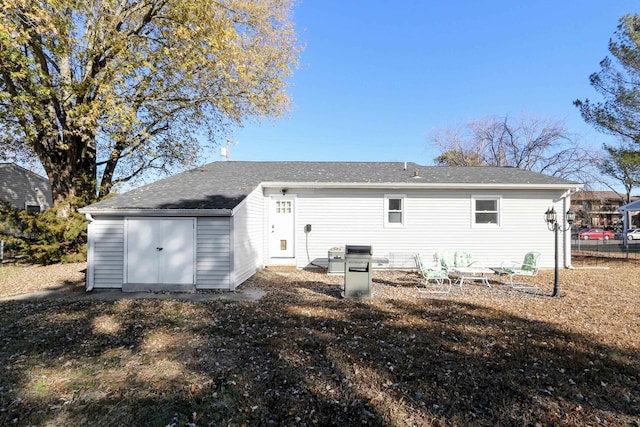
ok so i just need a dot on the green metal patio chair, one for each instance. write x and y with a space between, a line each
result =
527 268
435 277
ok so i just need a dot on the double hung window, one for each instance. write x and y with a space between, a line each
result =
394 206
486 210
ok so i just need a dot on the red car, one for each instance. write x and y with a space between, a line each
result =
595 233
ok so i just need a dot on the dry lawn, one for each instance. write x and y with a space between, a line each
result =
302 356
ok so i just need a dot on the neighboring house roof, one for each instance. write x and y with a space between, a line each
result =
19 187
588 195
222 185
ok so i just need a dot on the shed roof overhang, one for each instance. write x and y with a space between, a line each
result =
156 212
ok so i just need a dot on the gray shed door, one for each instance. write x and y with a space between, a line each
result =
160 251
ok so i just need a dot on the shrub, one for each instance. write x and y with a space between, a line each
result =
45 237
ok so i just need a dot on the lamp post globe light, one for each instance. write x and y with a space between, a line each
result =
551 218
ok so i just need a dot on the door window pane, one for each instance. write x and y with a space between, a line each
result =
283 206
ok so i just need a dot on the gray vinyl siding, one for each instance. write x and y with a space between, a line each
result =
248 237
107 240
435 220
20 188
213 253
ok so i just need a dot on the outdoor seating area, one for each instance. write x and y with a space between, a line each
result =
438 271
462 266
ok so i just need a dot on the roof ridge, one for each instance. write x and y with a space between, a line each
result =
224 184
24 169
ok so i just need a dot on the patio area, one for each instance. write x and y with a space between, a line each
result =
401 285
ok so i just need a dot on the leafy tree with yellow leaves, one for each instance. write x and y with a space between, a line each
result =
102 91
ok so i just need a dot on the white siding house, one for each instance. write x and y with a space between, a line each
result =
248 232
433 220
229 219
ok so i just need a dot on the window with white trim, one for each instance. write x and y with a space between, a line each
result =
394 208
32 209
486 210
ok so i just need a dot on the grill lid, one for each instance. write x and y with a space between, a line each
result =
358 250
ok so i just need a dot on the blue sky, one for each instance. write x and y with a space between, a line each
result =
377 77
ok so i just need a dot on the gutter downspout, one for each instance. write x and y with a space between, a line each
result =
90 249
566 238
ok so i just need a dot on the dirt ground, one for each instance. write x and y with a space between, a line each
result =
302 356
18 279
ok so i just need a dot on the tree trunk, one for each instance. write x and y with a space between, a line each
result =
71 171
106 184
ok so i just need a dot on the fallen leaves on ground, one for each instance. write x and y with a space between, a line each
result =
21 279
303 356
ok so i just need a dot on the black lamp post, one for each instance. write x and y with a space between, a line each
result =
551 219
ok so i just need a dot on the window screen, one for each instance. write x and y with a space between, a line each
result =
394 212
486 211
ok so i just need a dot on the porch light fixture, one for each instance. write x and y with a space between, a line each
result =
551 218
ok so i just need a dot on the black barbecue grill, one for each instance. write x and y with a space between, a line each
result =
357 271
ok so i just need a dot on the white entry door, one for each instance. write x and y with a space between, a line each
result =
281 227
160 251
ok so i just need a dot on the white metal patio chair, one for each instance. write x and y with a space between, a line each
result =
528 267
435 278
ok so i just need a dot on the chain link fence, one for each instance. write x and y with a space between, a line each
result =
612 248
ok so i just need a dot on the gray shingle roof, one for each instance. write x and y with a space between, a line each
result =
19 187
222 185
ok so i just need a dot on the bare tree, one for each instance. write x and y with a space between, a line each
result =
532 143
457 149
